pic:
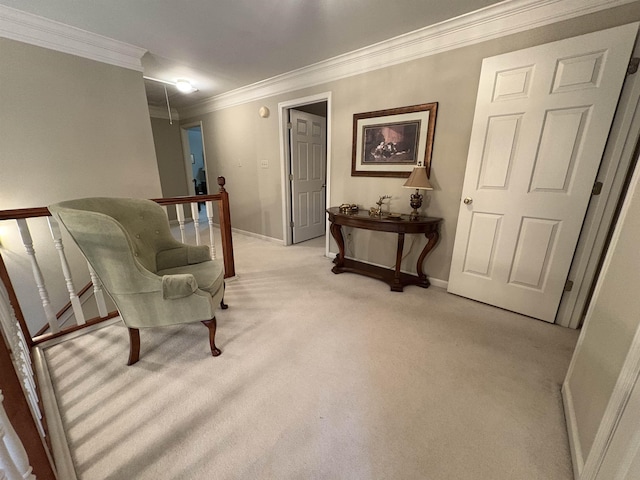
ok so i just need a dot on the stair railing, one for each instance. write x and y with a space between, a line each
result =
16 329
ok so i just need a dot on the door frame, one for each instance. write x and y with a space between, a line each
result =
186 154
588 468
613 172
285 165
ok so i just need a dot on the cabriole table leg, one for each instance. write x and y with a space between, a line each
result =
336 232
432 238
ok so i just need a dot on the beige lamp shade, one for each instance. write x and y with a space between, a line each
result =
418 179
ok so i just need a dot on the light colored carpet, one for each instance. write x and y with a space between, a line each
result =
322 376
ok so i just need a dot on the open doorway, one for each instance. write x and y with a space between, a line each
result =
195 159
305 140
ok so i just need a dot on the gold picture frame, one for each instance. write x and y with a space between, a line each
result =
390 143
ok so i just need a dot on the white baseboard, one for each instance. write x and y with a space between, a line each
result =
189 220
436 282
257 235
59 445
60 451
572 431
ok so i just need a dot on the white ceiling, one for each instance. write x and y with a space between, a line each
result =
222 45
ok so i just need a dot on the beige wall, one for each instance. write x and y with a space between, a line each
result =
612 321
70 127
168 145
237 139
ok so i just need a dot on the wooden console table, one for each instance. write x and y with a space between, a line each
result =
361 219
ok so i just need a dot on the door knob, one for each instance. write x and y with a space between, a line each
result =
468 201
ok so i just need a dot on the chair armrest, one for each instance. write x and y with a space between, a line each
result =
178 286
181 256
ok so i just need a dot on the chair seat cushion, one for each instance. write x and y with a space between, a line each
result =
209 275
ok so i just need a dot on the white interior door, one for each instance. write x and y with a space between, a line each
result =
540 126
308 175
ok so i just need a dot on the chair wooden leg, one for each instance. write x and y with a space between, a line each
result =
211 325
223 305
134 346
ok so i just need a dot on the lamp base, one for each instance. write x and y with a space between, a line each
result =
416 203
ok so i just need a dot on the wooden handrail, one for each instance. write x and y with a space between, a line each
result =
20 213
188 199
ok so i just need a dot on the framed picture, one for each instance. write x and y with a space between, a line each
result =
390 143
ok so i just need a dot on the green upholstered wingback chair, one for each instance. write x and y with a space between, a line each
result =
153 279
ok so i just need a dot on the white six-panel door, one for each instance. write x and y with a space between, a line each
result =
308 168
541 123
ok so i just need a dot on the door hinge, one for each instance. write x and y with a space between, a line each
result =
633 65
291 177
289 125
291 224
568 286
597 189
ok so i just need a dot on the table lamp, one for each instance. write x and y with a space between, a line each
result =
418 180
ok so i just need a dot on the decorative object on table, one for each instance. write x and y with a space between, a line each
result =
420 181
390 143
348 208
377 211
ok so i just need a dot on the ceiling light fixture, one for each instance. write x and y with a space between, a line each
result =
184 86
181 84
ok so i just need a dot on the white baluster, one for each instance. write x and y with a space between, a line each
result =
180 216
54 227
37 274
211 224
13 457
97 292
19 353
8 469
196 220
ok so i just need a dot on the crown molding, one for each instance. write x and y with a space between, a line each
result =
505 18
162 112
42 32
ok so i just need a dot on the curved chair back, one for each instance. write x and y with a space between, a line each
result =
143 222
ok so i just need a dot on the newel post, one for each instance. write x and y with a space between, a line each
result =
225 231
